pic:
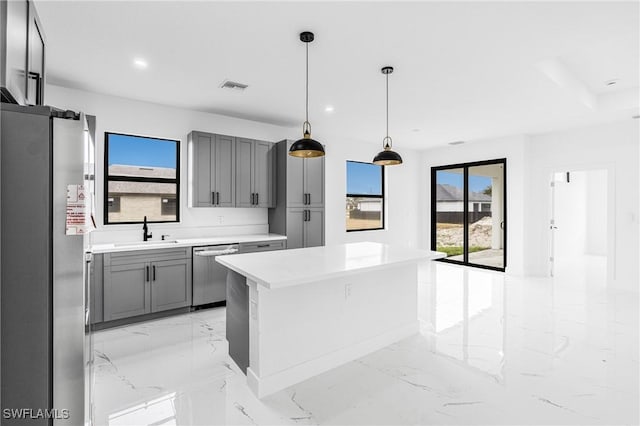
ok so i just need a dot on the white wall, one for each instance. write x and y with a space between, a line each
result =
121 115
613 147
128 116
511 148
531 161
401 191
597 201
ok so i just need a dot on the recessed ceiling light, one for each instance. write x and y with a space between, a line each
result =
329 108
611 82
456 143
140 63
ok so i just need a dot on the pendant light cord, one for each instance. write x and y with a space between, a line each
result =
307 84
387 140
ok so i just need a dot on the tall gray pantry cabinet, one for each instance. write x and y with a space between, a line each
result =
299 211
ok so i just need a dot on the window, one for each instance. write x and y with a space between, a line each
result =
142 178
365 196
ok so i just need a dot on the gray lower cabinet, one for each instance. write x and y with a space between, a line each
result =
254 173
127 291
305 227
142 282
169 285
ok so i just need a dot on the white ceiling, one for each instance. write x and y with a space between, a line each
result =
463 70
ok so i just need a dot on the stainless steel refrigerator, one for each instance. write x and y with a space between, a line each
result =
44 348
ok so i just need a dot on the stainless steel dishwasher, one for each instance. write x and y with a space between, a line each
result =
210 277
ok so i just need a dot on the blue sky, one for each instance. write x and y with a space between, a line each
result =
364 178
145 152
476 183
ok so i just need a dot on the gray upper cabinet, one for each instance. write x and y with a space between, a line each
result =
244 175
305 180
228 171
254 173
213 170
22 52
314 181
224 171
299 214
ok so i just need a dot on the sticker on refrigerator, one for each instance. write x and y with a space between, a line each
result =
77 210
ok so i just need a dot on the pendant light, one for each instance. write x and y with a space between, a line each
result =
387 157
306 147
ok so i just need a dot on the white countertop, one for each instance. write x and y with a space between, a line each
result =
284 268
183 242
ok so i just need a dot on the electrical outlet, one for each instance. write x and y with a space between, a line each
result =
220 220
347 290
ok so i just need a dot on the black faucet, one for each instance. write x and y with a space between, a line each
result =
145 230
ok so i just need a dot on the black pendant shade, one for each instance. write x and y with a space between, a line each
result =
387 157
306 147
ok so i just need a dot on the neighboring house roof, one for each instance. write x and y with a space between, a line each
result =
155 172
150 188
445 192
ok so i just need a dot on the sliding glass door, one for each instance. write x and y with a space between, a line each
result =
468 213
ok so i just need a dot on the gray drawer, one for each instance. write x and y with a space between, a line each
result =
149 255
257 246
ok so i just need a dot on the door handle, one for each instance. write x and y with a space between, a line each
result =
257 198
146 275
213 198
252 198
217 198
308 198
154 272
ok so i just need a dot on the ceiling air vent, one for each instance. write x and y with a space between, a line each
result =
228 84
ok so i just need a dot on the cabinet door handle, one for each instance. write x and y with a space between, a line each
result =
154 272
213 197
146 274
257 198
217 198
262 245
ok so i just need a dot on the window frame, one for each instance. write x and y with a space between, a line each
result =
107 179
433 226
382 197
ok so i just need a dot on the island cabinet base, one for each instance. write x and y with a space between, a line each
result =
297 332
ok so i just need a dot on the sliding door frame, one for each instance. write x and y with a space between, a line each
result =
465 167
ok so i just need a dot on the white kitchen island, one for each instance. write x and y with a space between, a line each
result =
294 314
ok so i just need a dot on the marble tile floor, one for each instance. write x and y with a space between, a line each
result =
493 349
